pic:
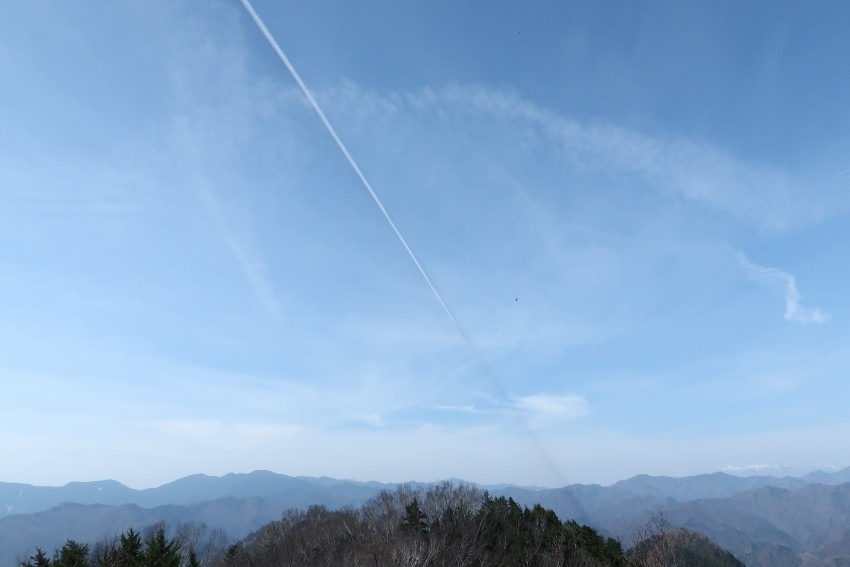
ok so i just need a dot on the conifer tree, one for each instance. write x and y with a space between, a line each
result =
160 552
40 559
193 558
72 554
415 519
130 553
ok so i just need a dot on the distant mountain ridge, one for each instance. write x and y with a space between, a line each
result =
17 498
26 499
763 520
813 520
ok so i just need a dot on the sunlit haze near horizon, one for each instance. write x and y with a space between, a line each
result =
636 213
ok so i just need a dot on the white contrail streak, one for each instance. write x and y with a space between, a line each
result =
332 132
368 186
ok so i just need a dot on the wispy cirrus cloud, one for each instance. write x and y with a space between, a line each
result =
469 408
249 261
545 408
213 126
373 419
238 242
766 196
785 284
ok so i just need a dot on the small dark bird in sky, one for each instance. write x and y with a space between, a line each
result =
516 299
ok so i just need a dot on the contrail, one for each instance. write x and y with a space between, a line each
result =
489 371
354 166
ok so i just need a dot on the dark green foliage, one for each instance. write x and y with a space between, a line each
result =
580 537
123 551
415 520
126 550
72 554
160 551
130 552
523 536
40 559
447 525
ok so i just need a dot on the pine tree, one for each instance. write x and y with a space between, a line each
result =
130 554
72 554
160 552
193 558
40 559
415 518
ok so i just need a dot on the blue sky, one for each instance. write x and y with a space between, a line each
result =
637 213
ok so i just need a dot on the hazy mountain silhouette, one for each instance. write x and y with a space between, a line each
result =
763 520
300 491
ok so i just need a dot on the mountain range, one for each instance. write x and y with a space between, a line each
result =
762 520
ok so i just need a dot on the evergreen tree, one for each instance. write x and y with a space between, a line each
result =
130 553
415 528
415 519
160 552
40 559
193 558
72 554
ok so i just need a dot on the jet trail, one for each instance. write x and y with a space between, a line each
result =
473 348
354 166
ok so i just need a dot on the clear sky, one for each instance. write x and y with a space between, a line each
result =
636 211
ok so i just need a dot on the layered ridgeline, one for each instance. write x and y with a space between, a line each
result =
447 524
762 520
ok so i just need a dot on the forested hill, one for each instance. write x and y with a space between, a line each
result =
448 524
764 521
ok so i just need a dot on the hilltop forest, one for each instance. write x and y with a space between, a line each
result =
446 525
